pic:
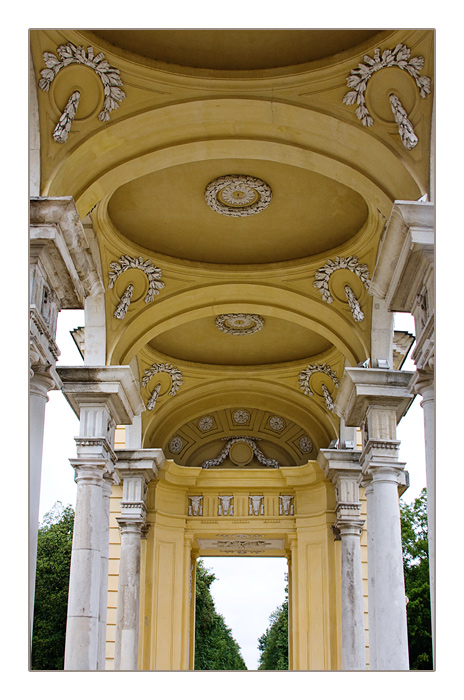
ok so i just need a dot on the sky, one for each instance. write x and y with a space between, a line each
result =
246 607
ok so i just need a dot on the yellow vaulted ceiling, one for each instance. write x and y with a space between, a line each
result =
262 103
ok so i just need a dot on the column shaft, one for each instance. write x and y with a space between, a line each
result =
85 574
367 483
127 621
391 636
428 406
353 643
40 384
104 558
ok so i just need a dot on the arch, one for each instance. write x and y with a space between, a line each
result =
259 129
255 393
262 299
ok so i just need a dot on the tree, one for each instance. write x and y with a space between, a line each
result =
215 647
273 644
51 588
417 583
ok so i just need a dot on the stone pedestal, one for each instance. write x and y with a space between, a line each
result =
136 468
343 469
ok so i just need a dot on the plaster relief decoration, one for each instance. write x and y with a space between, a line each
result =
399 57
176 380
109 76
241 416
205 423
195 506
286 505
323 275
239 324
276 423
226 505
305 444
238 195
256 506
127 262
176 445
305 377
251 441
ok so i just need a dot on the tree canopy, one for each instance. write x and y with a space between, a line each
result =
273 644
51 588
417 584
215 647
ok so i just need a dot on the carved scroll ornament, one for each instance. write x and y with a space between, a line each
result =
324 273
176 380
307 373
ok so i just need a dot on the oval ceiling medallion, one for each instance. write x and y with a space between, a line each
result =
238 195
239 324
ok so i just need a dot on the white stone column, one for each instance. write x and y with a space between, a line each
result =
136 468
353 643
108 480
343 469
41 383
425 385
366 483
376 399
85 574
102 397
391 633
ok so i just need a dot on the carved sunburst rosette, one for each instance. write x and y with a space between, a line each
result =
238 195
239 324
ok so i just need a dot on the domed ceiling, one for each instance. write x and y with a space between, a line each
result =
240 49
166 211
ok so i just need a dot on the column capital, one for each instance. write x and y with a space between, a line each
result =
361 388
342 467
131 526
113 387
137 468
423 383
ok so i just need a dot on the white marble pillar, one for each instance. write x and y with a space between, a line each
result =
102 397
127 620
425 385
391 640
343 469
366 483
41 382
136 468
375 400
353 642
108 481
85 574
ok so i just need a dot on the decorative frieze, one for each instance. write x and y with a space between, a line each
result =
195 505
226 505
238 195
239 324
399 57
109 76
127 262
286 505
256 505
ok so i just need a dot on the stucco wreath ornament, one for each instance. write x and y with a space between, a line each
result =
399 57
109 76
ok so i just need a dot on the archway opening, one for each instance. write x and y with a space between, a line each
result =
246 590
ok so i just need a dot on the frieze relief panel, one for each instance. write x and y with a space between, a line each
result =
241 505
